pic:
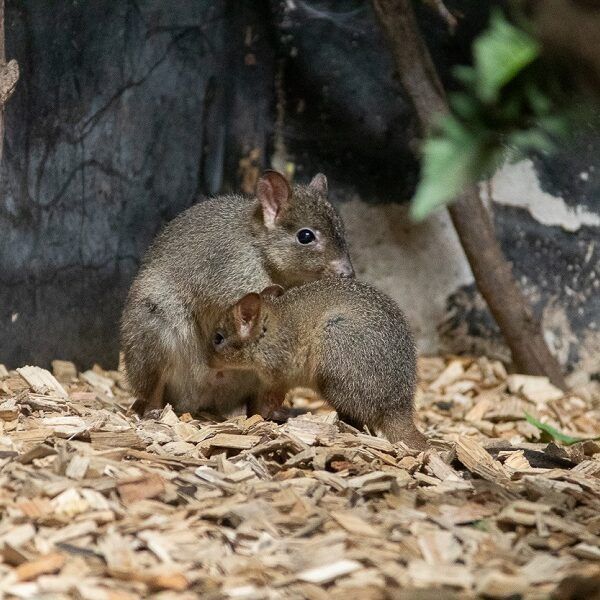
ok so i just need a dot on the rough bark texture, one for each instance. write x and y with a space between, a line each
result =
492 272
125 114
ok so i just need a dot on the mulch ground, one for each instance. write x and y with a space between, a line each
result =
98 504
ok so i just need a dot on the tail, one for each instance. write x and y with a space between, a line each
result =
406 432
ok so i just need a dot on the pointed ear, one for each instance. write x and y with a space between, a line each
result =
272 291
274 194
319 184
245 314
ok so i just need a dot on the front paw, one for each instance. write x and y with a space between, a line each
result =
284 413
265 405
141 408
152 414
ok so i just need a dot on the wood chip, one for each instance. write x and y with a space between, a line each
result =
423 574
439 547
449 375
78 467
496 584
9 411
42 381
536 389
477 460
310 430
99 504
64 370
98 381
102 440
329 572
140 489
174 580
354 524
50 563
236 442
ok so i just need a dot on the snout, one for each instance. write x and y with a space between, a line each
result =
341 267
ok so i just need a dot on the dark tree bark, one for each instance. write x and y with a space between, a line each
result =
493 274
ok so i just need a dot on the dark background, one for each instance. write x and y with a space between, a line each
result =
129 111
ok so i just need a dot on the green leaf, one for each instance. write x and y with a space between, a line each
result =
557 125
500 53
554 433
539 100
530 139
464 105
482 525
450 160
510 103
465 74
510 110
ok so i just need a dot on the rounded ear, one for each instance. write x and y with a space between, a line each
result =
275 194
319 184
272 291
246 313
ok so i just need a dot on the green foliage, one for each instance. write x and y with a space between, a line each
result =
500 54
553 433
453 155
511 103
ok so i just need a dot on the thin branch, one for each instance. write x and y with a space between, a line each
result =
471 220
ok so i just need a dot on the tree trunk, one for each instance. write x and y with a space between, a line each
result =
493 274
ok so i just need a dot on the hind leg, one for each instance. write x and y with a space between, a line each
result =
352 421
150 394
154 402
144 338
375 399
368 375
147 372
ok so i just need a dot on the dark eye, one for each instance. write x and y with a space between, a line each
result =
306 236
218 339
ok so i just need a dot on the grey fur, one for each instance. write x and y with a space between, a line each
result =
342 338
204 260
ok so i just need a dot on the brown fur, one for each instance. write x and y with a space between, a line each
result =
206 259
342 338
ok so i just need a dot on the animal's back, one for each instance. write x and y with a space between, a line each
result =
206 253
362 347
329 303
